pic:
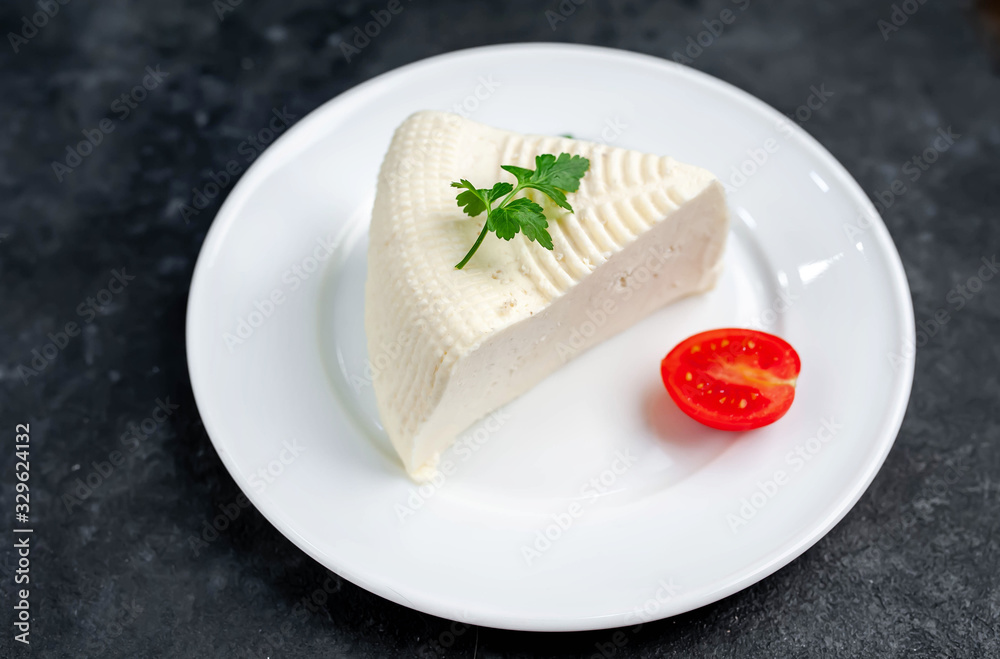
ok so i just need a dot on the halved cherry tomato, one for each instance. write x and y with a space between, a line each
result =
732 379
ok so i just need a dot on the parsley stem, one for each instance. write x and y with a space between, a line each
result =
510 196
479 241
482 234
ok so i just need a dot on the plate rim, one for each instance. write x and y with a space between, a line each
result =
781 556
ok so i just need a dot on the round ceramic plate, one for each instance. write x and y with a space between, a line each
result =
591 501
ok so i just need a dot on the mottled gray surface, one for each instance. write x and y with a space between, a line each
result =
913 570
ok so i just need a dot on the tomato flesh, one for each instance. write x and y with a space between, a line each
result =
732 379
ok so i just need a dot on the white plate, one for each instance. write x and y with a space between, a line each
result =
698 514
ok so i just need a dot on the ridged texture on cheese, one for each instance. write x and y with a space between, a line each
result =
423 315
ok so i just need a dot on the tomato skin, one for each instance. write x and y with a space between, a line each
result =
731 378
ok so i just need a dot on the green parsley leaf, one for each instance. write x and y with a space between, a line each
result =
499 190
563 172
507 220
472 201
555 194
553 176
520 173
534 227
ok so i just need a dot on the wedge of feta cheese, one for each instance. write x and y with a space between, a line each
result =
453 345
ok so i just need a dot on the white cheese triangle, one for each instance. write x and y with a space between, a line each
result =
449 346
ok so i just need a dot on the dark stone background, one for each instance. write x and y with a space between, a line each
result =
913 570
